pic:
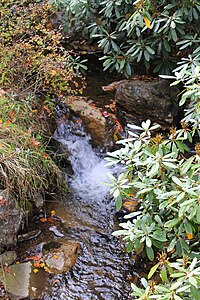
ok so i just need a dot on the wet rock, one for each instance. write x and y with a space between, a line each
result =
10 220
16 280
7 258
62 259
56 232
154 99
29 235
95 123
131 205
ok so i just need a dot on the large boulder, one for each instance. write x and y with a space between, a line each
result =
10 220
95 123
155 99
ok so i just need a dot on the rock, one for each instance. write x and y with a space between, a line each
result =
62 259
29 235
95 123
21 282
56 232
7 258
16 280
154 99
10 220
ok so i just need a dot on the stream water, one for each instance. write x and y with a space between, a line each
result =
102 266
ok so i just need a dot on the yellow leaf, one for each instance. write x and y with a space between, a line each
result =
147 22
55 256
35 271
53 212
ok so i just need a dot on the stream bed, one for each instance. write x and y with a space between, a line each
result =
101 268
87 216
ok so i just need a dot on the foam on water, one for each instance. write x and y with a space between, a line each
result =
90 172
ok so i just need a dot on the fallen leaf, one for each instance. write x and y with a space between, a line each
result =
35 271
147 22
189 235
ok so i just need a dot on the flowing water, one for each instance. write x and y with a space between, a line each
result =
102 266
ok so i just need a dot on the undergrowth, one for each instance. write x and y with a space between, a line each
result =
26 169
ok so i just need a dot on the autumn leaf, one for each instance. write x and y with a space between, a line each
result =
35 271
147 22
189 235
36 264
53 212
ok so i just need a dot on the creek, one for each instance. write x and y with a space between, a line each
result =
102 266
86 215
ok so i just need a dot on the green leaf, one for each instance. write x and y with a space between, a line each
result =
153 270
194 292
198 213
150 253
186 165
169 165
163 274
188 227
129 247
148 242
172 223
177 181
171 245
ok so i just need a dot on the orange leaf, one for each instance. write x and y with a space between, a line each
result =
147 22
189 235
43 220
37 264
45 155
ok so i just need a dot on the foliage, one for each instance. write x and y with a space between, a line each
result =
155 34
165 184
26 169
180 280
32 58
188 73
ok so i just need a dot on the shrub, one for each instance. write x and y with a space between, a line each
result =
180 280
155 34
32 57
165 185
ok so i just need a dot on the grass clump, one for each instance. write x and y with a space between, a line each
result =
26 169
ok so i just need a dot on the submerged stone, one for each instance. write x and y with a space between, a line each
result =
16 280
62 259
29 235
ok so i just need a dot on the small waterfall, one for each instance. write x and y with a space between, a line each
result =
90 172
